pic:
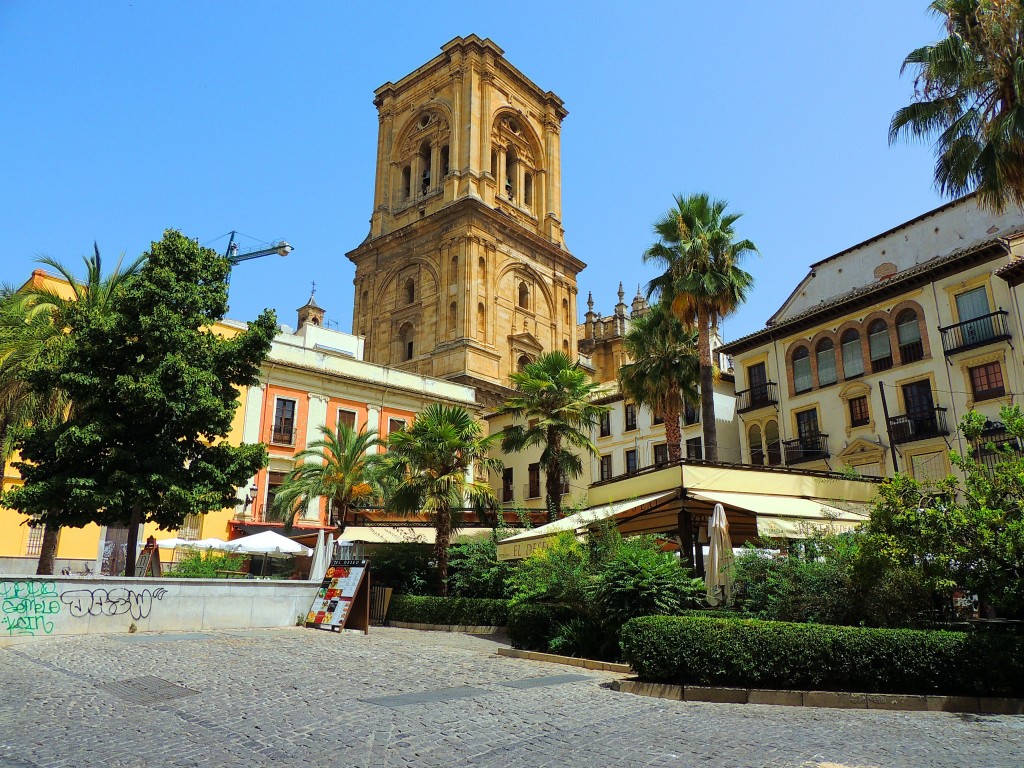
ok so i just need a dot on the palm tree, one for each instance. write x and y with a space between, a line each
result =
337 467
431 461
32 320
664 371
968 95
702 281
553 395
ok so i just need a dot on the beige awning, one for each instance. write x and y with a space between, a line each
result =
789 517
522 545
403 534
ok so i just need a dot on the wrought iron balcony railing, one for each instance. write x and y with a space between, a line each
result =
759 396
807 448
987 329
918 425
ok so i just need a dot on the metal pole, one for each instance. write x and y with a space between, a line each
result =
888 428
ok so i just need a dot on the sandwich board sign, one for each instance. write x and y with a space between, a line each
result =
343 599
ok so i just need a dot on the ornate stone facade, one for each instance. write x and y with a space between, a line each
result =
465 274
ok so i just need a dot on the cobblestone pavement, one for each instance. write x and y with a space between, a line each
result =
300 697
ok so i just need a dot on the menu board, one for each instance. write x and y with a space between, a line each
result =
343 597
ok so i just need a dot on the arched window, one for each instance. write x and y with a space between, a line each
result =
772 445
481 321
494 163
853 357
406 336
826 354
483 268
524 295
452 313
455 268
802 369
565 311
522 363
511 172
445 168
879 347
406 182
908 333
528 189
756 448
425 155
410 291
565 346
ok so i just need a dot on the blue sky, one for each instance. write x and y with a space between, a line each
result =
122 119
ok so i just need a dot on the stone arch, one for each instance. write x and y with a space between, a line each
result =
539 283
527 139
797 351
902 307
428 268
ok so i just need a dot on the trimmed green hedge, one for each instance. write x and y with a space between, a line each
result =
773 654
532 626
467 611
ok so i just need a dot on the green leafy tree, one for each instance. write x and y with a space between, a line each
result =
967 96
431 462
33 321
664 370
553 395
154 391
702 281
337 467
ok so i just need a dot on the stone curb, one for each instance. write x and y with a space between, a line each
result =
572 661
830 699
468 629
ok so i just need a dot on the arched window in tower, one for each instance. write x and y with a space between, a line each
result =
406 335
406 182
455 268
511 172
410 291
483 268
522 363
528 189
425 156
565 311
445 169
494 163
453 311
565 346
481 321
524 295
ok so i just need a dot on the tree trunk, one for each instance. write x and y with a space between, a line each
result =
133 541
707 385
553 480
441 544
673 433
48 551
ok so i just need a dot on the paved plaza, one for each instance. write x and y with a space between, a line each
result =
299 697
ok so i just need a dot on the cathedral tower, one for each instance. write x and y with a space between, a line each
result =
465 274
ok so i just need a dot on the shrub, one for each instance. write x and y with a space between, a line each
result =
407 568
532 626
466 611
768 654
196 564
474 569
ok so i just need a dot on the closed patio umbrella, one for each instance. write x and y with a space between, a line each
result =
718 577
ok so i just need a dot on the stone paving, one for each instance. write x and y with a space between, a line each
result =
301 697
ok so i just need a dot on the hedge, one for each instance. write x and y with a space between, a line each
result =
748 653
466 611
531 626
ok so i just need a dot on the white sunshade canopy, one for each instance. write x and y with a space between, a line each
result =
787 517
399 534
210 543
267 543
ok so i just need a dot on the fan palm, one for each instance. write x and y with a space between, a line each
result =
337 467
432 461
553 395
32 320
702 281
968 95
664 371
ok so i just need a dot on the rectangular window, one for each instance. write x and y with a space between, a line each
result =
630 416
346 417
565 484
661 454
507 494
929 467
971 305
694 449
691 414
274 481
34 545
396 425
807 424
987 381
631 465
658 418
859 415
606 467
606 424
284 422
533 491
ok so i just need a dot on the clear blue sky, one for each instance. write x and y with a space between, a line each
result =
124 118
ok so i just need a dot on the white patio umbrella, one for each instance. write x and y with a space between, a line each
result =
268 544
718 573
211 543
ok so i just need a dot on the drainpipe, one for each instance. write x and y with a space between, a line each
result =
888 427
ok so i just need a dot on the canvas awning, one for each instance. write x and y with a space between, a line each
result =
398 534
788 517
521 545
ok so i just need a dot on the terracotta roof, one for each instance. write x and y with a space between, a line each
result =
1013 273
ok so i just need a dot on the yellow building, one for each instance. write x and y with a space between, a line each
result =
880 350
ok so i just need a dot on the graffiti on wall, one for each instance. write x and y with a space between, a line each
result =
111 602
28 607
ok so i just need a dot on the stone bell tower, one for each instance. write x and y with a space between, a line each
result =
465 274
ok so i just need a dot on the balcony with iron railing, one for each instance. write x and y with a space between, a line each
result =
987 329
760 396
808 448
920 425
995 445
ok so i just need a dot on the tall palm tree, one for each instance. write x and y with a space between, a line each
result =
32 320
702 281
432 460
664 370
969 96
553 395
337 467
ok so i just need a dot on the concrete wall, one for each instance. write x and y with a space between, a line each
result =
44 606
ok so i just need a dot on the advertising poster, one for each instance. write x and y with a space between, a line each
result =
342 594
